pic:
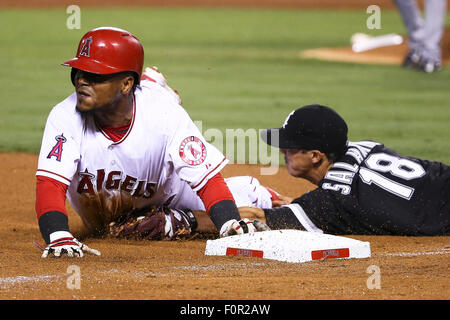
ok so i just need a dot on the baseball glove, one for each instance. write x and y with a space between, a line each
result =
155 224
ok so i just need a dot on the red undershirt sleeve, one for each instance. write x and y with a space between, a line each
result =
50 196
214 191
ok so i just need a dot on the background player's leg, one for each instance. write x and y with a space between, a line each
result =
435 11
415 27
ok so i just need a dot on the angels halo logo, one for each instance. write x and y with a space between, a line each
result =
192 151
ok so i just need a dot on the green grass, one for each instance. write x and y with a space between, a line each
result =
234 68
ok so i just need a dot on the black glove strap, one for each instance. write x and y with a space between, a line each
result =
244 226
52 221
190 218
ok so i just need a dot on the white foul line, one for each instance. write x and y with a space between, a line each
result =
412 254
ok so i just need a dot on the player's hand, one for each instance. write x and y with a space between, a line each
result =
65 243
281 201
234 227
252 213
154 75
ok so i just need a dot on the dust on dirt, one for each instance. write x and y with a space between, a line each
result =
410 267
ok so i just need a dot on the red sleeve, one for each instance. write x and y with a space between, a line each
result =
50 196
214 191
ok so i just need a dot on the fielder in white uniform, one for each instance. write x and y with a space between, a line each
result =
114 146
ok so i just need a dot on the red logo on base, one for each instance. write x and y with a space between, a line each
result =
330 254
192 151
244 253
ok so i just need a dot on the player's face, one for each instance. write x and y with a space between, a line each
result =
298 162
96 91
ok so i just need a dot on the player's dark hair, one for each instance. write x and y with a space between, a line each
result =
333 156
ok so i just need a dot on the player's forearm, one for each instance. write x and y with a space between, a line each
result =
218 201
51 222
223 211
50 206
282 218
204 223
275 218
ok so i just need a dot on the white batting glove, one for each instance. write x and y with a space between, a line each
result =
62 242
234 227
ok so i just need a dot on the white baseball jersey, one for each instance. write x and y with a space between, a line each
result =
162 159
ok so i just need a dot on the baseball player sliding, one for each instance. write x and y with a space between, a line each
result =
122 143
363 187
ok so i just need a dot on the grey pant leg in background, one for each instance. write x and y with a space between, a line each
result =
435 11
413 21
424 34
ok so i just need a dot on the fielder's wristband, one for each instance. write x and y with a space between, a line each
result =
52 221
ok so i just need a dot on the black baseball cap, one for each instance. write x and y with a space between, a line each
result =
312 127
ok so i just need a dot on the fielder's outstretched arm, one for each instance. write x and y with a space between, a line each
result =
275 218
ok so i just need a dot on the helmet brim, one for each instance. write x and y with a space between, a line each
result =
96 67
91 66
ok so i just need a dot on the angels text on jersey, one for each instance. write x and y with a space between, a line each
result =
113 180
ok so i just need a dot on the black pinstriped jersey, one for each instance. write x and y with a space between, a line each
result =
374 190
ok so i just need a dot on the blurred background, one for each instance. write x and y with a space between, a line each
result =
236 64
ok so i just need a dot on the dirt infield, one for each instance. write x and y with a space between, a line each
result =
410 267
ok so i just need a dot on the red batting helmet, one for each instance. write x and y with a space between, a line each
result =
108 50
